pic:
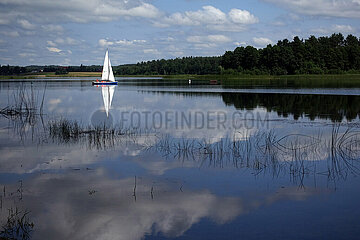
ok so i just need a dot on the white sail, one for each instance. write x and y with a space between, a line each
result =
108 94
107 73
111 75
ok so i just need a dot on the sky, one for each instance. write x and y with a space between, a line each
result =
74 32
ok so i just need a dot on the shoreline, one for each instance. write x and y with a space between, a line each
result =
177 76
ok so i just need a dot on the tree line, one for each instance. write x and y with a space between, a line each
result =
329 54
185 65
334 54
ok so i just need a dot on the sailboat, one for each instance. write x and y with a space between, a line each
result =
107 77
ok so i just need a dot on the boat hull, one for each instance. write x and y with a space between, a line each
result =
104 83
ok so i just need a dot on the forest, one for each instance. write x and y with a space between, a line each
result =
333 54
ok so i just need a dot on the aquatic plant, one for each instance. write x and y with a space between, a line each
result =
17 226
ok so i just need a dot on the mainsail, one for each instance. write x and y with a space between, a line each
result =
107 73
108 93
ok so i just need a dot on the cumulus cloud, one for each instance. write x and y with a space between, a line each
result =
207 15
212 17
75 10
209 38
240 43
66 41
334 28
261 41
151 51
51 43
144 10
124 42
242 17
53 28
331 8
26 24
53 49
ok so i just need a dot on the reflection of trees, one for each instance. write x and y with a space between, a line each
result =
334 107
322 106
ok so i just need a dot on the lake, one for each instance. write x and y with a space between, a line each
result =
164 159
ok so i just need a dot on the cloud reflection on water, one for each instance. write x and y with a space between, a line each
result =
90 205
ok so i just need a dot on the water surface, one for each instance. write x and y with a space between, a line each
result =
150 159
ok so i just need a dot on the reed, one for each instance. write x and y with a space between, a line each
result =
17 226
298 155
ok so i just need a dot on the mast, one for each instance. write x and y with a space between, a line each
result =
108 78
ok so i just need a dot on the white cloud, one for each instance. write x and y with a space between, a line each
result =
242 17
332 8
334 29
342 28
195 39
174 51
53 49
53 28
105 43
239 43
51 43
211 17
151 51
66 41
82 11
209 38
207 15
145 10
261 41
26 24
124 42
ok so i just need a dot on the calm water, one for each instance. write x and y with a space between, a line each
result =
150 159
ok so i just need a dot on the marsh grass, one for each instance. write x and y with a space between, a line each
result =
264 152
18 225
24 110
297 155
95 137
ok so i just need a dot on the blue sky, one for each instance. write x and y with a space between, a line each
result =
74 32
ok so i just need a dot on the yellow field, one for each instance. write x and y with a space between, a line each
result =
84 74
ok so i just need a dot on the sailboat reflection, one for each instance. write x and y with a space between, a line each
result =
103 118
108 94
